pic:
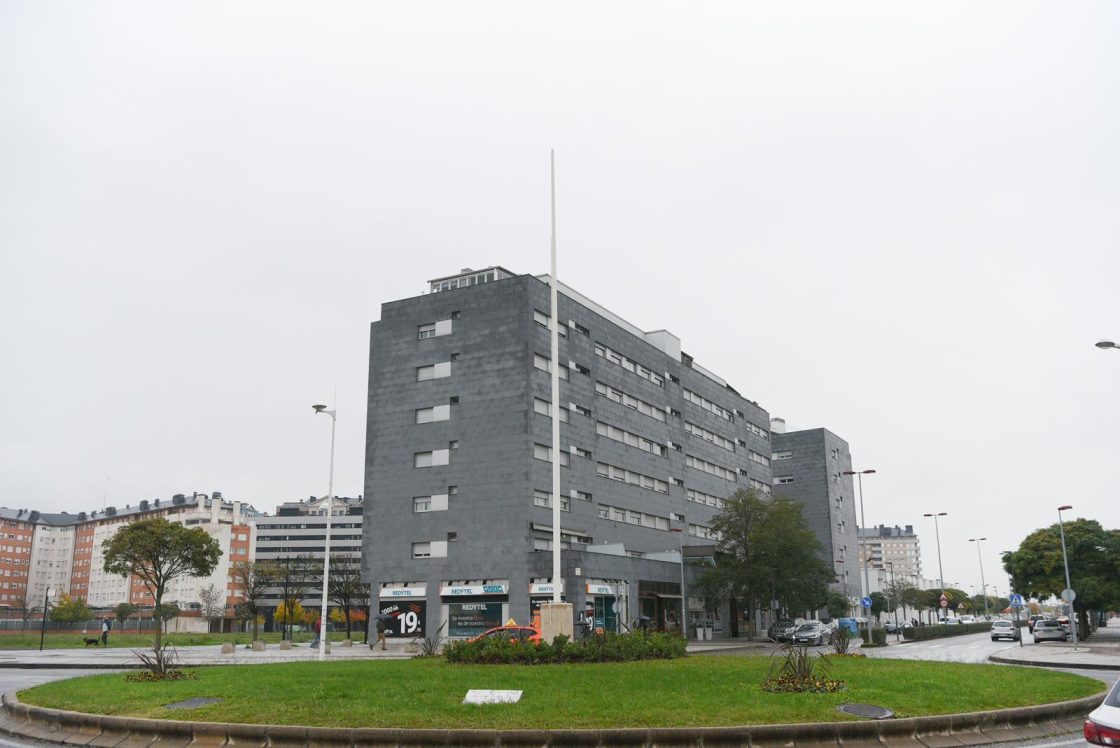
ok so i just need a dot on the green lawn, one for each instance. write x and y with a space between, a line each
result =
692 691
30 640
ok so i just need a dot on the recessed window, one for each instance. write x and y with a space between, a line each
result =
541 452
582 410
433 371
430 459
452 536
678 482
421 550
426 331
435 413
584 453
582 369
452 490
454 356
580 328
422 503
453 444
583 496
784 455
782 480
453 400
456 315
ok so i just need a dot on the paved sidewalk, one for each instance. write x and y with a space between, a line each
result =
1100 652
118 658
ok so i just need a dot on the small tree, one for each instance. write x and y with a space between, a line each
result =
158 551
879 604
251 582
346 589
71 610
295 577
122 611
837 605
290 614
213 602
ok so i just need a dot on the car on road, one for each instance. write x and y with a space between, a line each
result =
1005 630
783 629
813 632
891 627
967 619
1103 725
1032 621
511 634
1049 630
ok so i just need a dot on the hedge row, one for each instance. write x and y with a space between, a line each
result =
604 648
944 629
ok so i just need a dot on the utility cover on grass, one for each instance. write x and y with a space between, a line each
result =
866 710
192 703
485 696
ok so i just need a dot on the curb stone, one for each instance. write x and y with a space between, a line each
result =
76 728
1070 665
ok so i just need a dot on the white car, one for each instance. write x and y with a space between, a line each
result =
968 619
1103 725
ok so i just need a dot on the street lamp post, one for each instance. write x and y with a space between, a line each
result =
983 585
897 630
937 535
684 596
863 555
1065 562
43 625
327 547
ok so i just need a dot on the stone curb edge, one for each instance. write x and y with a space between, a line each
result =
104 731
1070 665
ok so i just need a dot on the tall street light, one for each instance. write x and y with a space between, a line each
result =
684 598
937 534
1065 562
897 630
983 585
863 556
327 547
43 625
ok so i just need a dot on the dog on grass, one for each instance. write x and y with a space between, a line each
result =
95 642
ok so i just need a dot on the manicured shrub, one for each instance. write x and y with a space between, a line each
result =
600 648
939 631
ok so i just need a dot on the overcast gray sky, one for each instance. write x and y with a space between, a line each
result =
897 221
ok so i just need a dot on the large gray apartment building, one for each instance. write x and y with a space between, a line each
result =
458 523
809 467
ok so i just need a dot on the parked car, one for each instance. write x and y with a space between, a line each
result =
1048 629
512 634
1033 620
891 627
1005 630
783 629
967 619
813 632
1103 725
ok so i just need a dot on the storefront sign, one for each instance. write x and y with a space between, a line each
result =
474 589
472 619
403 617
419 591
546 588
600 589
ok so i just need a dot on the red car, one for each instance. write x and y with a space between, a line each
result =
511 634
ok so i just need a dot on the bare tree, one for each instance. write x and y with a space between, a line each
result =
213 604
346 589
295 577
251 581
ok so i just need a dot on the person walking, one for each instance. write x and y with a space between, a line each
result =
317 627
381 632
106 625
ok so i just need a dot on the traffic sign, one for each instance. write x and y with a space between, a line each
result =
866 602
1069 595
944 600
1016 600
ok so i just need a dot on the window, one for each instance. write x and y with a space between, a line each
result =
582 369
628 476
709 436
431 459
453 444
709 467
707 405
452 490
629 439
785 455
757 430
584 453
544 364
632 517
605 390
542 319
433 371
674 413
453 400
454 356
542 452
435 413
704 498
583 496
544 499
678 482
426 331
582 410
421 550
619 360
760 486
456 315
422 503
782 480
756 457
544 408
580 328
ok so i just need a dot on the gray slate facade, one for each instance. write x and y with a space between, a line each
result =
808 467
459 537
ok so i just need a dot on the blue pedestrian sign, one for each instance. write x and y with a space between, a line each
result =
1016 600
866 601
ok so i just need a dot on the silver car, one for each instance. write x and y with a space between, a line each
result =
813 633
1005 630
1049 630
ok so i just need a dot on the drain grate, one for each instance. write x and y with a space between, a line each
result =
192 703
866 710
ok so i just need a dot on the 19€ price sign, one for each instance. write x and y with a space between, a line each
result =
405 617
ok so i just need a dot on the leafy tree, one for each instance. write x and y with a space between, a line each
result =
879 604
158 551
71 610
765 550
1037 570
164 612
346 589
251 581
289 615
213 602
837 604
122 611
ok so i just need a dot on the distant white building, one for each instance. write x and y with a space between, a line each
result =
892 547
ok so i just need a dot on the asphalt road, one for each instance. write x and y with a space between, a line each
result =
15 679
